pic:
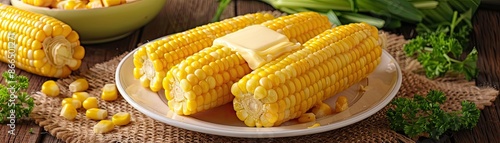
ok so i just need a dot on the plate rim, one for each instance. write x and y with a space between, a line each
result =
272 134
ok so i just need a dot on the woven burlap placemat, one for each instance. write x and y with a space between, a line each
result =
145 129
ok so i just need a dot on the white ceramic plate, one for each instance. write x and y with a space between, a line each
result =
380 88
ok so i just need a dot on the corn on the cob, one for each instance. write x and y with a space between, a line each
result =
288 87
38 44
154 59
203 81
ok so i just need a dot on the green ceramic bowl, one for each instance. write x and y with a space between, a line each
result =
103 24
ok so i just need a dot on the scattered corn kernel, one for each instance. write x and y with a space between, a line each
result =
121 118
108 3
68 111
314 125
321 109
362 88
96 114
50 88
307 117
76 103
79 85
109 92
90 103
80 96
103 126
341 104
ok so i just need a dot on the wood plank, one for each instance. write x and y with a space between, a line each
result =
5 1
26 131
47 138
485 39
178 16
251 6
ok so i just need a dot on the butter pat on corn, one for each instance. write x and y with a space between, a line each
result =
109 92
257 44
103 126
50 88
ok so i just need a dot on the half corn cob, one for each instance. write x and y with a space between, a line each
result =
38 44
328 64
203 81
154 59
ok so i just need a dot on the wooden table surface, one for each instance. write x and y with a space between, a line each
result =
181 15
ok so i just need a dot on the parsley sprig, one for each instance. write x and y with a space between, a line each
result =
439 51
422 116
14 101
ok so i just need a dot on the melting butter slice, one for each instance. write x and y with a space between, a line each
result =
257 44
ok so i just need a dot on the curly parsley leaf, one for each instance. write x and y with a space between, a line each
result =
439 51
14 101
422 116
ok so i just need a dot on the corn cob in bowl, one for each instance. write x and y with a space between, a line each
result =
155 58
38 44
288 87
203 81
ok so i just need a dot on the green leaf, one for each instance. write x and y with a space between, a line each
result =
422 115
220 9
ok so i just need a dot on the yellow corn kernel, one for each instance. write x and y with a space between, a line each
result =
121 118
68 112
108 3
314 125
94 4
322 109
103 126
78 85
76 103
42 3
50 88
96 114
109 92
90 103
80 96
341 104
307 117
